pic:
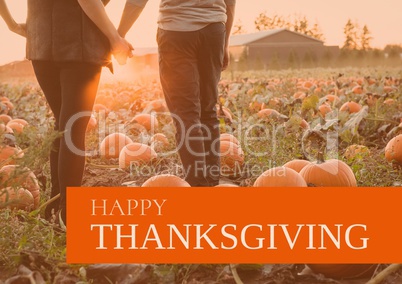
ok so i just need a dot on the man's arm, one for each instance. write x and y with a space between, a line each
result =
12 25
95 10
131 12
230 12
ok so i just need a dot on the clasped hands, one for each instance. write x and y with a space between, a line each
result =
121 50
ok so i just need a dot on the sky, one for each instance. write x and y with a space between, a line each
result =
383 19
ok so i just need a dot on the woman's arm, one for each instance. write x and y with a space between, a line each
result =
120 48
12 25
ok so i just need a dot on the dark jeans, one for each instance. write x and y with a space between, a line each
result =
69 88
190 67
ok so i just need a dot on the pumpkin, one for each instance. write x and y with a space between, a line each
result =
160 139
135 153
332 98
19 198
156 105
389 102
324 109
226 185
356 152
224 113
344 271
280 177
112 144
92 123
15 176
4 118
332 172
20 121
304 124
351 107
299 95
357 90
5 129
297 164
146 120
99 108
268 113
16 126
165 180
231 157
393 150
229 137
8 154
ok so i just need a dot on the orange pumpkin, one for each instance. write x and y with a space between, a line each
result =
4 118
10 154
229 137
332 172
357 90
332 98
5 129
15 177
146 120
161 139
15 126
20 121
112 144
165 180
92 123
344 271
280 177
389 102
226 185
224 113
351 107
356 152
232 158
268 113
19 198
156 105
297 164
99 108
393 150
324 109
135 153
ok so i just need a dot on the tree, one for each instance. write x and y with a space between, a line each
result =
297 23
350 31
365 39
238 28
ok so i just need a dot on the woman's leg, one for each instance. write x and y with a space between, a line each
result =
79 85
48 76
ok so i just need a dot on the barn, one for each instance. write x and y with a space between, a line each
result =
280 47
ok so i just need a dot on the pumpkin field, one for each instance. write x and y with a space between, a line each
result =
278 128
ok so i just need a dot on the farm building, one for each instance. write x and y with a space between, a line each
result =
282 47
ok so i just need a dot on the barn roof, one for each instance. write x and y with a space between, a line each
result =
245 39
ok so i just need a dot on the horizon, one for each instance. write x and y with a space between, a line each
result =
381 19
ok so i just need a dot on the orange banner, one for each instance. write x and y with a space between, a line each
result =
233 225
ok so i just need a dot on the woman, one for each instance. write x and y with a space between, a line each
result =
68 42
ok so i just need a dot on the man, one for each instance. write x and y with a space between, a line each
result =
193 50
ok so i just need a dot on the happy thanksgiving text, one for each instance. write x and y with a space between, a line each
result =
198 236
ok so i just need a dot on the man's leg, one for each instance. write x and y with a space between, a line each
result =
210 58
180 82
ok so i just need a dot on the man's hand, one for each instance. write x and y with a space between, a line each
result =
19 29
121 49
226 58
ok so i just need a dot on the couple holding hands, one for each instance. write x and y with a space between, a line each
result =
69 41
